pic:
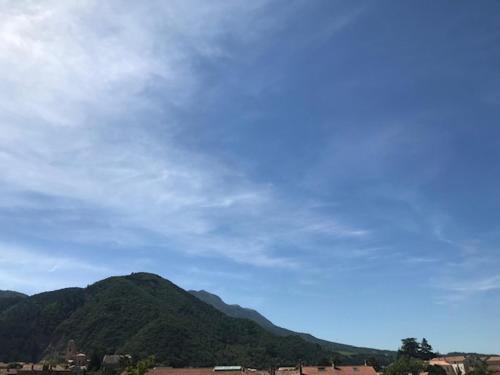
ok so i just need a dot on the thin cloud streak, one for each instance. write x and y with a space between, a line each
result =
70 90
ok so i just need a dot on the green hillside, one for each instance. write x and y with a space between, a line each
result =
9 298
142 314
350 354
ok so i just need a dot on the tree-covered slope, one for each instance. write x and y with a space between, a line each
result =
142 314
27 328
9 298
236 311
352 354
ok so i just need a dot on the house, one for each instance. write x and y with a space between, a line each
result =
81 360
34 369
75 360
461 365
71 351
450 369
493 363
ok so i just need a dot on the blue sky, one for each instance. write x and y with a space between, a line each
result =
334 165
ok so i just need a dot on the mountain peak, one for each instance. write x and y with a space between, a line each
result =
142 314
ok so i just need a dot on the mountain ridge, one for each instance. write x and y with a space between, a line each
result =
238 311
142 314
9 298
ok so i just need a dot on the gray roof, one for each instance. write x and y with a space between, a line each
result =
228 368
111 360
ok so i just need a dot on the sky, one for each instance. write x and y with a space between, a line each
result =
333 164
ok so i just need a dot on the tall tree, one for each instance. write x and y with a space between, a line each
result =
425 350
409 347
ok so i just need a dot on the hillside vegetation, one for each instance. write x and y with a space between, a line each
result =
9 298
142 314
347 354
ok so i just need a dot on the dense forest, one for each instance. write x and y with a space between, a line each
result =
142 314
342 353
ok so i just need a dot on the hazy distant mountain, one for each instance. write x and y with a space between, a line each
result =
236 311
142 314
9 298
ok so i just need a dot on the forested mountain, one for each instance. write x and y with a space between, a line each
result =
351 354
9 298
142 314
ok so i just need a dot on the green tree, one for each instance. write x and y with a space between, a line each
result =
425 350
325 361
142 366
96 357
409 347
405 365
478 365
336 359
435 370
372 361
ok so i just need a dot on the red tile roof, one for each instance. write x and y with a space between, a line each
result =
200 371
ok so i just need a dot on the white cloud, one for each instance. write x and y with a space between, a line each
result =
89 153
34 271
458 290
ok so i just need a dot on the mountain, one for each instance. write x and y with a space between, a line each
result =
9 298
236 311
142 314
353 354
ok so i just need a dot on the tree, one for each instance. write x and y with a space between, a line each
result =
405 365
372 361
436 370
96 356
478 365
425 350
412 348
409 347
142 366
336 359
325 362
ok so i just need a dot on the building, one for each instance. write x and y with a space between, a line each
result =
461 365
71 351
75 360
115 363
34 369
222 370
326 370
81 360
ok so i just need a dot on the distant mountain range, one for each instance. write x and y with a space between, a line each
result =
143 314
236 311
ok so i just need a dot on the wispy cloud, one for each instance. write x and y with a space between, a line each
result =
36 271
458 290
471 270
88 148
